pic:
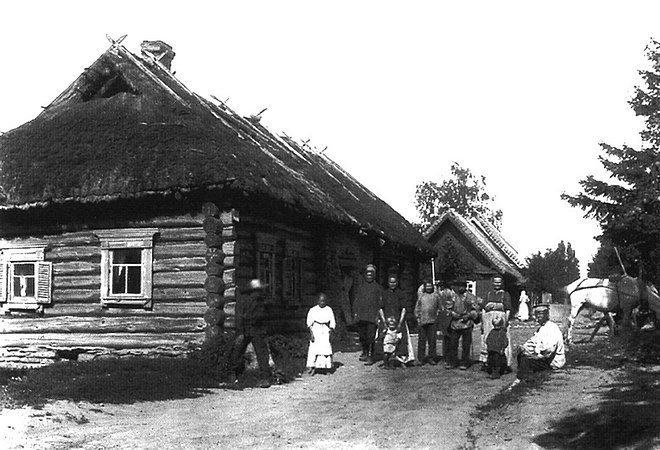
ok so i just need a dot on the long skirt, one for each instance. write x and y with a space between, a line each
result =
486 326
523 311
319 354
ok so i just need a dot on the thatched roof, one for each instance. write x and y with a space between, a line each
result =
127 128
485 237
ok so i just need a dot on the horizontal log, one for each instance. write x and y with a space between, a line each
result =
83 238
103 340
214 285
178 264
78 281
161 308
168 221
214 255
76 324
92 252
212 225
213 240
181 234
179 293
229 277
230 261
214 316
77 268
229 294
75 295
214 269
179 250
230 248
228 233
214 300
179 279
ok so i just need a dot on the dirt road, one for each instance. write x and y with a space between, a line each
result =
357 407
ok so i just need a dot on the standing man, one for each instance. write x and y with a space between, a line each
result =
497 305
544 350
250 327
394 305
426 313
368 299
464 314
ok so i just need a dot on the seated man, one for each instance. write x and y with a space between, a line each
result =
544 350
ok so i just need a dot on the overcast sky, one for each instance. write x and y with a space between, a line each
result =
520 92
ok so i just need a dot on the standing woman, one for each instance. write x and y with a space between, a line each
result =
523 308
320 322
394 305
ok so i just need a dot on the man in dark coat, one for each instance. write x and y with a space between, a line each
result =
249 317
368 300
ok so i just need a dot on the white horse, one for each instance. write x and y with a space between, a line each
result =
607 296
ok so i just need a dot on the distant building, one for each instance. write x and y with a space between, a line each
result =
487 252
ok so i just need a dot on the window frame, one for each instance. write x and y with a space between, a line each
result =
13 254
124 239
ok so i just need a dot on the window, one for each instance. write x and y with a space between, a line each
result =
126 267
25 278
267 254
292 273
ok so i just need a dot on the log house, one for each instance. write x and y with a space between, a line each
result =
133 210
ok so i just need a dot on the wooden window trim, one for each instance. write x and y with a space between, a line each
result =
12 254
128 238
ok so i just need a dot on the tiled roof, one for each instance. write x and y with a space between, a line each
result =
486 238
127 127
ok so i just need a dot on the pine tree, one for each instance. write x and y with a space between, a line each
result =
628 206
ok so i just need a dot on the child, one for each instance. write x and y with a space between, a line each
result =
391 339
496 343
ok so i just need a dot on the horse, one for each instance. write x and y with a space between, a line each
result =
608 296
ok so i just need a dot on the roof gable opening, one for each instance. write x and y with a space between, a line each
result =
104 82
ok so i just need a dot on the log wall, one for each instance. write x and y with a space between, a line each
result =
75 325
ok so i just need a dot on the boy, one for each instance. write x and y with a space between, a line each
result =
496 343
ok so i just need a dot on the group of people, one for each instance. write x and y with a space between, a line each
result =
379 316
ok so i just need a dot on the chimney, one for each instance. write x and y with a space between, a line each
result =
162 51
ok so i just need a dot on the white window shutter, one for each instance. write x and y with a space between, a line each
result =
44 271
3 282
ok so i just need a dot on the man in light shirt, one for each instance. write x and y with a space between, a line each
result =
545 349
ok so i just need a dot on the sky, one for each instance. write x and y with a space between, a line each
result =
519 92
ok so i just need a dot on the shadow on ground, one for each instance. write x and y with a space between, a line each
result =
627 415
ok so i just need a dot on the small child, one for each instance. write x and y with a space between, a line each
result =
496 343
391 339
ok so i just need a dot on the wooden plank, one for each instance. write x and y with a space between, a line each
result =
75 239
179 264
176 293
166 309
179 250
77 324
103 340
181 234
179 279
76 281
77 268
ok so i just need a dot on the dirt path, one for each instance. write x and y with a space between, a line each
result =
357 407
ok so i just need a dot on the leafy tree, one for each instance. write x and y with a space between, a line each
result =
627 206
605 262
463 192
553 270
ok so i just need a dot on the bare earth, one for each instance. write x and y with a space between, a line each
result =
367 407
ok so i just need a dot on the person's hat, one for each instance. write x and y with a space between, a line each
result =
370 268
459 281
542 307
256 285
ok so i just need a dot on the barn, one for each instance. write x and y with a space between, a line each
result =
133 210
480 247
